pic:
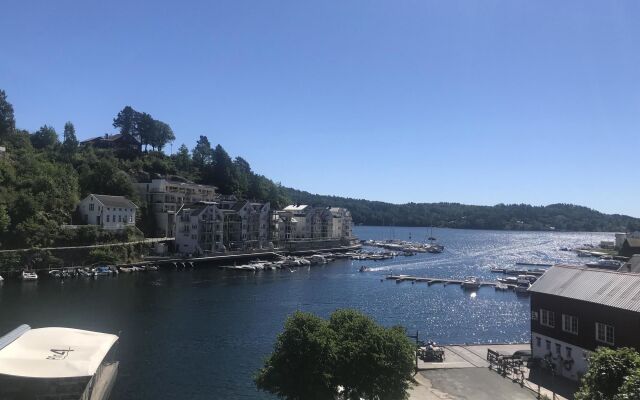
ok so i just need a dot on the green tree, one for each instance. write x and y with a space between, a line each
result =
202 153
313 358
609 371
44 137
373 362
146 129
223 174
70 142
7 120
127 120
162 134
5 220
630 389
300 367
183 159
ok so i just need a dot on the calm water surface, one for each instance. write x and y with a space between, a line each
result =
201 334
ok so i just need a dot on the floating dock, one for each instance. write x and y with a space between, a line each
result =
432 280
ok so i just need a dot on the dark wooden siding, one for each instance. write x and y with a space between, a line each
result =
626 323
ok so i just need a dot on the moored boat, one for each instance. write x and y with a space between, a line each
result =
29 276
470 282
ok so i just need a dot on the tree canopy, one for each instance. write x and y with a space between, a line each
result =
348 355
558 217
612 375
7 121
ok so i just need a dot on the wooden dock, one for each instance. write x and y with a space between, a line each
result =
431 280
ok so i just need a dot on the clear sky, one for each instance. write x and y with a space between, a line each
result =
478 102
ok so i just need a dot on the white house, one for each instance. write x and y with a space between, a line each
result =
108 212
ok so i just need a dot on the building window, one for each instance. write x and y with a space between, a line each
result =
107 218
538 341
119 218
130 219
91 207
568 352
113 217
558 349
570 323
548 344
605 333
547 318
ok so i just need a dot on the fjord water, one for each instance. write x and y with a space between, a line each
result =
202 333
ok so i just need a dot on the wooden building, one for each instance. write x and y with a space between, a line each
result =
630 246
575 310
121 142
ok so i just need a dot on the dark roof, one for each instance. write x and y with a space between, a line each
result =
111 138
238 206
632 266
115 201
609 288
633 242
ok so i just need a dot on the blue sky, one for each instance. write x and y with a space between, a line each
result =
478 102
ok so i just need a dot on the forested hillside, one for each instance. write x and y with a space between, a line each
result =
42 178
562 217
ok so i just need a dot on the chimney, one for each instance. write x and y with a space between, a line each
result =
106 136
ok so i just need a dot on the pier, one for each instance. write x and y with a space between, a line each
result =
431 280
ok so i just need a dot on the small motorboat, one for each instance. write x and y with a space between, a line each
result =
471 282
364 269
29 276
436 248
155 267
501 286
84 272
102 271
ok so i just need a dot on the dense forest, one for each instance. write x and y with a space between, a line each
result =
561 217
43 177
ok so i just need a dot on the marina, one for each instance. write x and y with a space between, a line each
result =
193 315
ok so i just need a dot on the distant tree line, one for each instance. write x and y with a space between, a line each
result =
559 217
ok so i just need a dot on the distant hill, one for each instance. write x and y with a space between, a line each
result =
559 217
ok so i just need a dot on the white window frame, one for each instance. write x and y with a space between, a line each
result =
609 339
568 323
547 318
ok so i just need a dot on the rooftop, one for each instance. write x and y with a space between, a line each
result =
53 352
609 288
296 207
115 201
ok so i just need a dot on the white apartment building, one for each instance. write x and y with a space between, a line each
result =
302 222
213 227
108 212
166 197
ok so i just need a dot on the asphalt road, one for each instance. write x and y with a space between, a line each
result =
468 384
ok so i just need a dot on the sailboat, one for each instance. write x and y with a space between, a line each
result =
431 238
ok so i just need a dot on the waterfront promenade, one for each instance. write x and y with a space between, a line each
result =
466 374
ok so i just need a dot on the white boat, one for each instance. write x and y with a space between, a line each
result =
501 286
29 276
470 282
